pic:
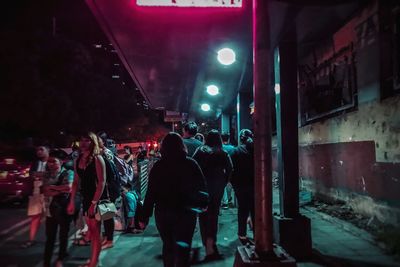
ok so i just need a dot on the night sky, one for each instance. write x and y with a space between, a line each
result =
61 76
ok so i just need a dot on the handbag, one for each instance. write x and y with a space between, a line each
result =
105 208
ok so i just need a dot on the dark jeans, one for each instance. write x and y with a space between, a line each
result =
109 226
245 198
176 229
208 220
51 234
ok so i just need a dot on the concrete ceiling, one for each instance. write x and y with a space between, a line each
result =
170 52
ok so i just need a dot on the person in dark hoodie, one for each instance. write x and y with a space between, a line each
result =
217 167
243 181
177 190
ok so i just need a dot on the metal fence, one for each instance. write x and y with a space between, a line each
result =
144 168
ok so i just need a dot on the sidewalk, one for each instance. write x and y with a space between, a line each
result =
335 244
339 243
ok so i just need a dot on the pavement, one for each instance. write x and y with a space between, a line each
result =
335 243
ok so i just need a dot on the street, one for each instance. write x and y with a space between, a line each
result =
15 231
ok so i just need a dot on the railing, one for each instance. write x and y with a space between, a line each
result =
144 168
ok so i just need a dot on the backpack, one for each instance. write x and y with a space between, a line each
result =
124 169
113 180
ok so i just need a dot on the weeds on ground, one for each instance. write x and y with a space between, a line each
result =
386 234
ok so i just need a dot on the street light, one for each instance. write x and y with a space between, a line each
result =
205 107
226 56
212 90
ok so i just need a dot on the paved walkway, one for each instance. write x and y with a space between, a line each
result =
335 244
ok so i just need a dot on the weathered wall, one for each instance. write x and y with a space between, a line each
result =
377 121
355 156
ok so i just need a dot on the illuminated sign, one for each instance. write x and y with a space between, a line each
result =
191 3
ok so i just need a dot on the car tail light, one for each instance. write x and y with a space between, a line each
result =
23 173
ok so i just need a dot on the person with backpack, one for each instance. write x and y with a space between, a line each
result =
113 184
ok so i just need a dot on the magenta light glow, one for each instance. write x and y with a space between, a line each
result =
191 3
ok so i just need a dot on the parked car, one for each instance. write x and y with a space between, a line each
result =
15 182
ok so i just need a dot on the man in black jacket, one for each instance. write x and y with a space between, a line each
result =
243 181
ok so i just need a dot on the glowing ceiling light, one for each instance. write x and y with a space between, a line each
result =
205 107
191 3
226 56
212 90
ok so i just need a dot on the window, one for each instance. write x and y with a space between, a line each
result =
328 87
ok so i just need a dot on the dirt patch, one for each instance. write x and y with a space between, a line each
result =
386 234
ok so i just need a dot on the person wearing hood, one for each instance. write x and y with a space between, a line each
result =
216 165
243 181
177 192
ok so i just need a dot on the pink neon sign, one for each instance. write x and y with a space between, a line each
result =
191 3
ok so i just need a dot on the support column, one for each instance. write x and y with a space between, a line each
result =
263 253
225 123
244 120
291 230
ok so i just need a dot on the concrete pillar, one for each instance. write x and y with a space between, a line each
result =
225 123
264 253
291 230
244 120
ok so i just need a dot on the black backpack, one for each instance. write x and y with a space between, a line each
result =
113 180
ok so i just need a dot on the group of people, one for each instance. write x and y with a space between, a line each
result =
62 191
185 185
188 182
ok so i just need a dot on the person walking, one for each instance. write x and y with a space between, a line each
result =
177 193
227 198
217 167
243 181
189 133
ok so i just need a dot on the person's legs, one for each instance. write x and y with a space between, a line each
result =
203 223
109 226
225 198
229 190
165 227
64 230
94 229
212 220
185 225
35 224
251 202
87 236
243 211
51 233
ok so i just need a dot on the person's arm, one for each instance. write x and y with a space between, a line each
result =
101 181
67 183
74 189
50 190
